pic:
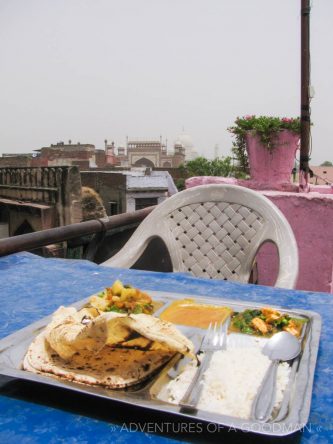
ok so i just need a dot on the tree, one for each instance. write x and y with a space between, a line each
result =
204 167
327 163
92 205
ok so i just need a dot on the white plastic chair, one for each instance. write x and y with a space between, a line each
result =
215 231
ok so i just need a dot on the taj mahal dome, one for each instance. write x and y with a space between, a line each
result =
186 141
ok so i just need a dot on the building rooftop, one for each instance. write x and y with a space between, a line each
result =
147 182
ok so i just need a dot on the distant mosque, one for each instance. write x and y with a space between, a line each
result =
151 153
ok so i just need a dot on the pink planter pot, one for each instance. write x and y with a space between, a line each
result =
272 167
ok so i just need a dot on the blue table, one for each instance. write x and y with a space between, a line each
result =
33 287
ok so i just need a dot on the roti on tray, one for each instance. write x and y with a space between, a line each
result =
109 349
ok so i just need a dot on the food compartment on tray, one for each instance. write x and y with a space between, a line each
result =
245 361
192 313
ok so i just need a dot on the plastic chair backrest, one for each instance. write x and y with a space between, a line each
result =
215 231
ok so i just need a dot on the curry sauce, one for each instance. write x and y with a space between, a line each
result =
188 312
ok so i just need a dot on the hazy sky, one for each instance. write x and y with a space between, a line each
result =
89 70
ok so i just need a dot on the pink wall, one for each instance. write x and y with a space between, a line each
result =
311 218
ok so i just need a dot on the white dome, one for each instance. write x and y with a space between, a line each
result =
185 140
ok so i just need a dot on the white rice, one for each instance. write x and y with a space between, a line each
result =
231 382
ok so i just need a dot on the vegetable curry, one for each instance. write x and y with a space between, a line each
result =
265 322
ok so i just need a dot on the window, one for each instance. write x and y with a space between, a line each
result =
113 208
144 202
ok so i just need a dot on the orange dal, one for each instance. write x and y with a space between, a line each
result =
188 312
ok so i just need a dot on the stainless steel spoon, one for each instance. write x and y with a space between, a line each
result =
282 346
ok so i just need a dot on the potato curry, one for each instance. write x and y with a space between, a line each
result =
122 299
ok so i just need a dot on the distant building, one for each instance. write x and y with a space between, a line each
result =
185 141
149 153
110 157
322 175
83 155
129 190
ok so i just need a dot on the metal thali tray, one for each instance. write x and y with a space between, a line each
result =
293 412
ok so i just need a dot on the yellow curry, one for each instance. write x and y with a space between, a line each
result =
191 313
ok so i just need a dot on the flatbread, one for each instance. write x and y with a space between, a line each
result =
112 349
161 331
110 367
67 334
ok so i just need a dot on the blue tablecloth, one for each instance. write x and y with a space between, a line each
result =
32 287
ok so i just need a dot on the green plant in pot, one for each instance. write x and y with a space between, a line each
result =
266 129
